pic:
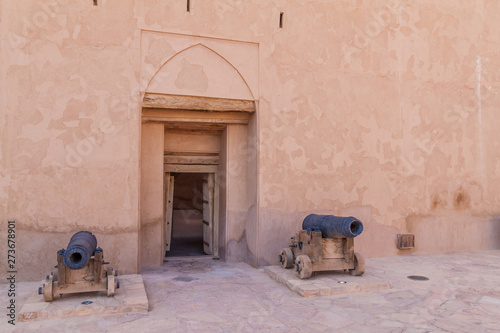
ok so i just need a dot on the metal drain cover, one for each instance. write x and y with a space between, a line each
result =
418 278
184 278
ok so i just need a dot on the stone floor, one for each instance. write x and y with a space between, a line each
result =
461 295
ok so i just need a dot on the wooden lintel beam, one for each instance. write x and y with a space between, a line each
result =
191 168
194 120
196 103
192 159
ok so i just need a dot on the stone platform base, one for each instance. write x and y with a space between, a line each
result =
131 297
326 283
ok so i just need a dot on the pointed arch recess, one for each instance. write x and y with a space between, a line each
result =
180 53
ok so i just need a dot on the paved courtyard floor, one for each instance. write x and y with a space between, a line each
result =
461 295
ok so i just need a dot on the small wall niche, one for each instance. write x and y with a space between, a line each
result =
406 241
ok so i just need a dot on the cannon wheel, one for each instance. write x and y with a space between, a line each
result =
47 289
304 266
359 265
286 258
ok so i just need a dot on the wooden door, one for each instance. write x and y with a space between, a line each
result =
208 212
169 202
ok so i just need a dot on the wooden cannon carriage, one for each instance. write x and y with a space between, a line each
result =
326 243
80 268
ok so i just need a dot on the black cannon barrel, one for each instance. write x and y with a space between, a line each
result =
333 226
80 248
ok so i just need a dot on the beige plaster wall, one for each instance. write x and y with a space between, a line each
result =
237 202
386 110
388 119
69 130
152 194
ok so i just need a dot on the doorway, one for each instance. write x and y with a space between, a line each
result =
191 226
198 135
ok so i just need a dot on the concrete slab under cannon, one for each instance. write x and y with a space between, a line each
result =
131 297
327 283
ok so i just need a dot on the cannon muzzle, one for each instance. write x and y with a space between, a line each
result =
333 226
80 248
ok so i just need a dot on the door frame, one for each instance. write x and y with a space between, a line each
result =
236 121
168 205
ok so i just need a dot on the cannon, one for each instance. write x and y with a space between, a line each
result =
80 248
325 243
80 268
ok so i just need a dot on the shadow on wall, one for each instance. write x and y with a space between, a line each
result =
454 232
495 231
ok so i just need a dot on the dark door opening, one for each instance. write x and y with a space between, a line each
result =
190 211
187 215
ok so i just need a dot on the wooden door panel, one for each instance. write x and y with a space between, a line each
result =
169 201
208 212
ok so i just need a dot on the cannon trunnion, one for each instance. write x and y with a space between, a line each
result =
80 268
326 243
